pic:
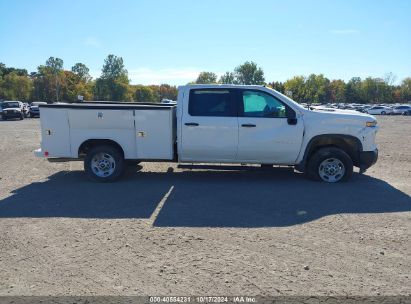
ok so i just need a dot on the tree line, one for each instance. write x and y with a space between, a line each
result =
51 83
316 88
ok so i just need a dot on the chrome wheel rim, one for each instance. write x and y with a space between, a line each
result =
103 164
331 170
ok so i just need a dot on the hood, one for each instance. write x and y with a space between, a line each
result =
346 117
342 112
10 109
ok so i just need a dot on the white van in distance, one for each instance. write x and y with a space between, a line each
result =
210 124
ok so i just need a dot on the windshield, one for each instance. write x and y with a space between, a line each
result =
10 105
287 98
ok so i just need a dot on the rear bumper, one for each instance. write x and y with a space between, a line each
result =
44 154
367 159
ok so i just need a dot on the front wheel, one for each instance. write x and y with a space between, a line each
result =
383 113
104 164
330 165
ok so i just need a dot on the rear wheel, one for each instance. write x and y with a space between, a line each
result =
330 165
383 113
104 164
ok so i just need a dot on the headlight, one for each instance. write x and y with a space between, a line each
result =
371 123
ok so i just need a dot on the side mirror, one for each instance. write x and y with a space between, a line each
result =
291 116
292 121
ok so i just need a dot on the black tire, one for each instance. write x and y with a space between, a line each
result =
114 153
383 113
4 118
313 165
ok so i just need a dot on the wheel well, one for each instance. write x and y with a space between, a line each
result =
91 143
349 144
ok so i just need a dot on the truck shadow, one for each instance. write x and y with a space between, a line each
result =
233 198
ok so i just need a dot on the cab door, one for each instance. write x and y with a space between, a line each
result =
209 126
270 132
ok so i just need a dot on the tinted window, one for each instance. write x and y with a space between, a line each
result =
11 105
260 104
211 103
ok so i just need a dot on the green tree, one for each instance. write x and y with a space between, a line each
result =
2 70
16 87
249 73
165 91
113 68
376 90
353 91
55 66
295 88
73 86
122 90
228 78
316 88
113 83
144 94
278 86
206 78
81 71
337 91
44 84
405 89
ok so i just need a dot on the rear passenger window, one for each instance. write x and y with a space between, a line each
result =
211 103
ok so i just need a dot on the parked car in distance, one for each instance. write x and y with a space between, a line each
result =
13 109
34 108
380 110
400 110
168 101
210 124
407 112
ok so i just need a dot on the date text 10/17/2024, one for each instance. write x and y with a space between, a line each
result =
202 299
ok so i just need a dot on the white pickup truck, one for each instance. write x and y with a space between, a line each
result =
210 124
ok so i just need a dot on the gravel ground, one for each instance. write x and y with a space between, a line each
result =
165 230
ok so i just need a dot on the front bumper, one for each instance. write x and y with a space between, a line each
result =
367 159
11 114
